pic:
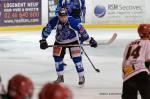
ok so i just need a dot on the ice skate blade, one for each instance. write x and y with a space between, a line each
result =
81 85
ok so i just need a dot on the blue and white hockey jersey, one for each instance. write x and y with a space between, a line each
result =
65 32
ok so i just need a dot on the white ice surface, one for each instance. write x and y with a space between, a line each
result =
20 53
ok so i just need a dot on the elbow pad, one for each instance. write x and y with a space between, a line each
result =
46 31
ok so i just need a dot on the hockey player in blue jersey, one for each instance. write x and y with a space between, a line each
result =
76 8
67 30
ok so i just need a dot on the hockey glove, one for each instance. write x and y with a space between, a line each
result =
43 44
93 42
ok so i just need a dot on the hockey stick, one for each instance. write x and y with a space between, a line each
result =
97 70
77 45
83 18
83 15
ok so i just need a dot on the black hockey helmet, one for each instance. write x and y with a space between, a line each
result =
63 12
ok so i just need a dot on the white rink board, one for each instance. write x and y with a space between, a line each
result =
118 12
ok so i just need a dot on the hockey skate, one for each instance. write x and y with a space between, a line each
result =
60 79
81 81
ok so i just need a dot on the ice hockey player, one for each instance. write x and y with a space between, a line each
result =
135 71
67 29
76 8
55 91
19 87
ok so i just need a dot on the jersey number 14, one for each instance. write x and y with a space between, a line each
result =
135 52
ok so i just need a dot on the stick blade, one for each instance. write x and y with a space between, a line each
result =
97 70
112 39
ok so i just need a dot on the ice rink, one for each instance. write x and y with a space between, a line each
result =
20 53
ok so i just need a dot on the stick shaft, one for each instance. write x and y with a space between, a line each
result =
97 70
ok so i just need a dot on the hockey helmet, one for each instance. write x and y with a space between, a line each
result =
144 30
20 87
55 91
63 12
